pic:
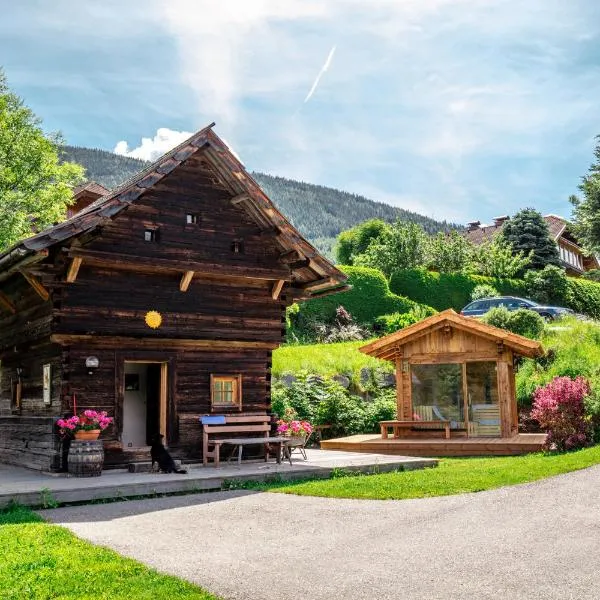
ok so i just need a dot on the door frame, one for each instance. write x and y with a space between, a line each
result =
167 409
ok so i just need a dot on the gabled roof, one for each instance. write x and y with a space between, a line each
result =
477 235
318 277
387 346
90 187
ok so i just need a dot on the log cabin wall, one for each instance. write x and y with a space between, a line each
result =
123 276
27 434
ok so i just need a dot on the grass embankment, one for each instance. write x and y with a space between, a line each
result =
40 561
325 359
452 476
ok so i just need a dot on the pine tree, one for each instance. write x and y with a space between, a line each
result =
587 210
527 232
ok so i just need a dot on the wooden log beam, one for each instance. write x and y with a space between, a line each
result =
7 304
239 198
74 269
299 264
186 279
39 289
152 342
130 262
277 287
290 256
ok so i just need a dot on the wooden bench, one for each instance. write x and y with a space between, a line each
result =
398 426
243 424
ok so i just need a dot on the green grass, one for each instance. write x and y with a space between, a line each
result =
43 561
325 359
452 476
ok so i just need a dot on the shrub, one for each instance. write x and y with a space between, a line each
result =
583 296
391 323
548 285
484 290
383 408
344 412
560 410
524 322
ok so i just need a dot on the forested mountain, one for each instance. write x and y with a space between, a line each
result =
319 212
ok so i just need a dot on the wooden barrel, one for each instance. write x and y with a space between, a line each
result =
86 458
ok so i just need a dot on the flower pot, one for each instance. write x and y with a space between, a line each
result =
296 440
89 435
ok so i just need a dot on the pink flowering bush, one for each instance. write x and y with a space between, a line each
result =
560 409
289 425
88 420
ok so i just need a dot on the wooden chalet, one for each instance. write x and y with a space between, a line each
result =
455 390
159 302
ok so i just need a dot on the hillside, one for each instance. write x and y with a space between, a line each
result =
319 212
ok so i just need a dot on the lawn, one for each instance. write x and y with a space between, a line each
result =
452 476
325 359
43 561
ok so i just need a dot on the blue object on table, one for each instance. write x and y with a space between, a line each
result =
213 420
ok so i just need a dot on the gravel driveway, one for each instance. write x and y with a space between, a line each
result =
539 540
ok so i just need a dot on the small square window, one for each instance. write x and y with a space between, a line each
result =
226 391
192 219
237 247
151 235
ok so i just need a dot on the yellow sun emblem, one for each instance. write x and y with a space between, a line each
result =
153 319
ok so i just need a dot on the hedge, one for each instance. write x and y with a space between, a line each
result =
453 290
369 298
583 296
448 290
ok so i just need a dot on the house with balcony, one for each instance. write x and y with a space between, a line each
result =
574 259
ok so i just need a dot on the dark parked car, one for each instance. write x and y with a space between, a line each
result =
478 308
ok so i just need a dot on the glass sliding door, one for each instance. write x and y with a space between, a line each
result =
437 393
482 399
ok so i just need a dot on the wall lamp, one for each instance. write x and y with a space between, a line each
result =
91 364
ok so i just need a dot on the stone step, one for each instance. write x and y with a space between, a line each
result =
146 467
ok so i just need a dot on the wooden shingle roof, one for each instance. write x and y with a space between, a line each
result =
387 347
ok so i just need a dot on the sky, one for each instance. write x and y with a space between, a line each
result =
456 109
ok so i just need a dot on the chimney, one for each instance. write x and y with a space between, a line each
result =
499 221
473 225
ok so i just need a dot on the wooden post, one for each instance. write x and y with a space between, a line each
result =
40 290
277 289
74 269
186 279
399 390
7 304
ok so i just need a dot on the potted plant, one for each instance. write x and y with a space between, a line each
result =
86 426
290 426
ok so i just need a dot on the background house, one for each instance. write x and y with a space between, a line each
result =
573 258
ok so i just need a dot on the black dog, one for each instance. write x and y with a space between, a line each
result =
160 455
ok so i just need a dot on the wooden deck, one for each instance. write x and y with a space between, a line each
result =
430 446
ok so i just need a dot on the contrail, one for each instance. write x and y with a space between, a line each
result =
324 68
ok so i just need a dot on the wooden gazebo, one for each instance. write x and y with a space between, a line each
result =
455 387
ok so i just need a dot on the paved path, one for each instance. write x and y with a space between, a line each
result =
535 541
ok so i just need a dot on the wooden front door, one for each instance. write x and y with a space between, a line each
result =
144 403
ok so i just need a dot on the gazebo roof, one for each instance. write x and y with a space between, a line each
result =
387 347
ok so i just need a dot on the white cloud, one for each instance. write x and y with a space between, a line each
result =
151 148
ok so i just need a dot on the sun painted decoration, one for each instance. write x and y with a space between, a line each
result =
153 319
